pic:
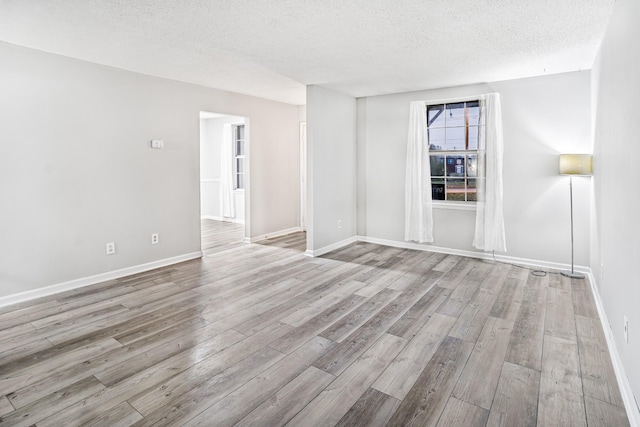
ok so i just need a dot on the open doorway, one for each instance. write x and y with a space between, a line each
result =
223 180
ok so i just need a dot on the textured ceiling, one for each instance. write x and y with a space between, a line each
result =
273 48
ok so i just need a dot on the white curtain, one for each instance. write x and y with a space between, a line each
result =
490 235
418 206
226 173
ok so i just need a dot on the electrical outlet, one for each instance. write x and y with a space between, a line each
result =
339 223
155 238
111 248
626 329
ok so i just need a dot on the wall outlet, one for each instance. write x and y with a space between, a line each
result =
626 329
339 223
111 248
155 238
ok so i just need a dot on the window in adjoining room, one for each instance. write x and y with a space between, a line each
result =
238 157
453 131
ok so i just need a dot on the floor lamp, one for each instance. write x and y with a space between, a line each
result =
574 165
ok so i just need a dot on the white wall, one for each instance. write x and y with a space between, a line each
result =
542 117
77 170
616 232
331 167
210 169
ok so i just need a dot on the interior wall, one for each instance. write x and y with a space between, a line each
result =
210 169
77 171
331 167
616 234
542 117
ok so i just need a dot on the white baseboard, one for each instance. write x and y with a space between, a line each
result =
331 247
272 235
633 413
224 219
92 280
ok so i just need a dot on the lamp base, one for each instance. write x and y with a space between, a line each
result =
572 274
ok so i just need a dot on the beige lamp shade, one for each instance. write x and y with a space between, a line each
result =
576 164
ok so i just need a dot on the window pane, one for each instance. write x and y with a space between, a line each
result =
239 148
455 189
455 139
436 139
435 116
240 132
472 195
239 166
437 165
472 165
239 181
473 110
473 137
437 189
455 166
454 114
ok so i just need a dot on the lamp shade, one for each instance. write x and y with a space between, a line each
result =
575 164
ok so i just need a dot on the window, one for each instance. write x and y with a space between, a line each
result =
238 157
453 131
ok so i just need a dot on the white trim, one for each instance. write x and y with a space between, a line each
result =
472 254
272 235
458 206
210 180
225 219
211 217
633 413
92 280
331 247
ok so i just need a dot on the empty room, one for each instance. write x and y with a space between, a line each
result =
319 213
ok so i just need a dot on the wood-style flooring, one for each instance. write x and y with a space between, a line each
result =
260 335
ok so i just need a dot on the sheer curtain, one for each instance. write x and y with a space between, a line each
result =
490 235
418 224
226 173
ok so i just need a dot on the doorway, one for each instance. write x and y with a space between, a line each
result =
224 177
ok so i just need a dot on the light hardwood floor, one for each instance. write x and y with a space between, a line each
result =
259 334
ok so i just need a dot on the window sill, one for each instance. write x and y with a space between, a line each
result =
458 206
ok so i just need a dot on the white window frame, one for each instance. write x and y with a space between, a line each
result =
237 156
453 204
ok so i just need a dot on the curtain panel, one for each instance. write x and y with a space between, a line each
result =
226 172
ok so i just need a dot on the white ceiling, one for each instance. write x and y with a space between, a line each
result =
273 48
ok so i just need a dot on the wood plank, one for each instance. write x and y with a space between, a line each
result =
598 377
53 403
246 398
559 406
409 324
583 302
460 413
359 315
298 336
5 406
288 401
487 357
355 344
122 415
404 370
507 304
154 398
559 320
334 401
516 399
525 346
428 397
600 413
372 409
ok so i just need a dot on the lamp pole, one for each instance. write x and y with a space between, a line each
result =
572 273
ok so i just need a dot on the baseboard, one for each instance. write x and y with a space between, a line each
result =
623 381
272 235
331 247
92 280
224 219
473 254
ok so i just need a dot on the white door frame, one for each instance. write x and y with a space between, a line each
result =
303 176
